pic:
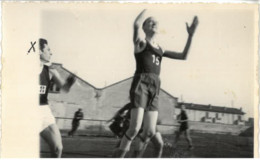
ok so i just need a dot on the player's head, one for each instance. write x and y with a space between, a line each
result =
183 107
80 109
45 51
150 25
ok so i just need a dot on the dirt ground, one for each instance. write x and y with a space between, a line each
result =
205 146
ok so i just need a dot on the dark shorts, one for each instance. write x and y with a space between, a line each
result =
144 91
183 127
75 123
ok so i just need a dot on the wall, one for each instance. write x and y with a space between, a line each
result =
217 128
102 128
225 118
100 104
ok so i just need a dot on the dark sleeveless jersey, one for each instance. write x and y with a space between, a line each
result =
44 85
149 60
183 116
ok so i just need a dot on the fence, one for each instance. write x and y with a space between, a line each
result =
101 127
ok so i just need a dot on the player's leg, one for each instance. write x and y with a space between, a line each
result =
118 144
74 128
177 137
52 136
149 128
71 132
187 136
135 125
158 144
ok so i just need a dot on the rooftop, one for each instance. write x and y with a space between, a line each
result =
211 108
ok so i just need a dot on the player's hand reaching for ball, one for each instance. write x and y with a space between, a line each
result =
191 29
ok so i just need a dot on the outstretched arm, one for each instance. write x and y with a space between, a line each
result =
183 55
120 111
123 109
139 42
62 83
138 26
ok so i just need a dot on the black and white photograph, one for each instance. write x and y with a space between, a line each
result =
128 80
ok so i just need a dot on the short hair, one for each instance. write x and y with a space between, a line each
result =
145 21
42 42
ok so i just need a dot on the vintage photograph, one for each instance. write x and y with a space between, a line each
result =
127 80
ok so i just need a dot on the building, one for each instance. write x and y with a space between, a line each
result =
100 105
250 121
213 114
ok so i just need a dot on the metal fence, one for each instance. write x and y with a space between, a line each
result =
101 127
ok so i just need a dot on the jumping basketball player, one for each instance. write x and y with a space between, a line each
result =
146 83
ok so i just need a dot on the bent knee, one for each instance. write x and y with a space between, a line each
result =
58 147
160 144
132 132
158 141
149 133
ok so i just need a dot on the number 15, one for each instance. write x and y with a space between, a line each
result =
156 60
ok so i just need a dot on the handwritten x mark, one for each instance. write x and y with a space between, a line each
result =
32 47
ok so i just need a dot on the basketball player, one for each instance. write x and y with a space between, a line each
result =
120 121
121 124
184 127
49 130
146 82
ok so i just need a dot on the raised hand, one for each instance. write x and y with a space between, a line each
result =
191 29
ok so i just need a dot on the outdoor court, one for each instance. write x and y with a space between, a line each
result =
205 145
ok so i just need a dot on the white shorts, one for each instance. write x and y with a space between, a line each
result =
46 117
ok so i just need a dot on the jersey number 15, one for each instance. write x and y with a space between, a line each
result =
156 60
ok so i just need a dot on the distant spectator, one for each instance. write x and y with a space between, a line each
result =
75 123
182 118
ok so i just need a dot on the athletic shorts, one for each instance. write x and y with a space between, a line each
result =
144 91
46 117
183 127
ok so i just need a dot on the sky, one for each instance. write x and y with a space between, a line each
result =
96 44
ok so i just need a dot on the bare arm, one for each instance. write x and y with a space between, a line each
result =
120 111
62 83
138 26
183 55
57 78
139 42
126 107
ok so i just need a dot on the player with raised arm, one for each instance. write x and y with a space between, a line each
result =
145 87
49 129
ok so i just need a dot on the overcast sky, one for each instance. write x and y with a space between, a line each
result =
96 44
